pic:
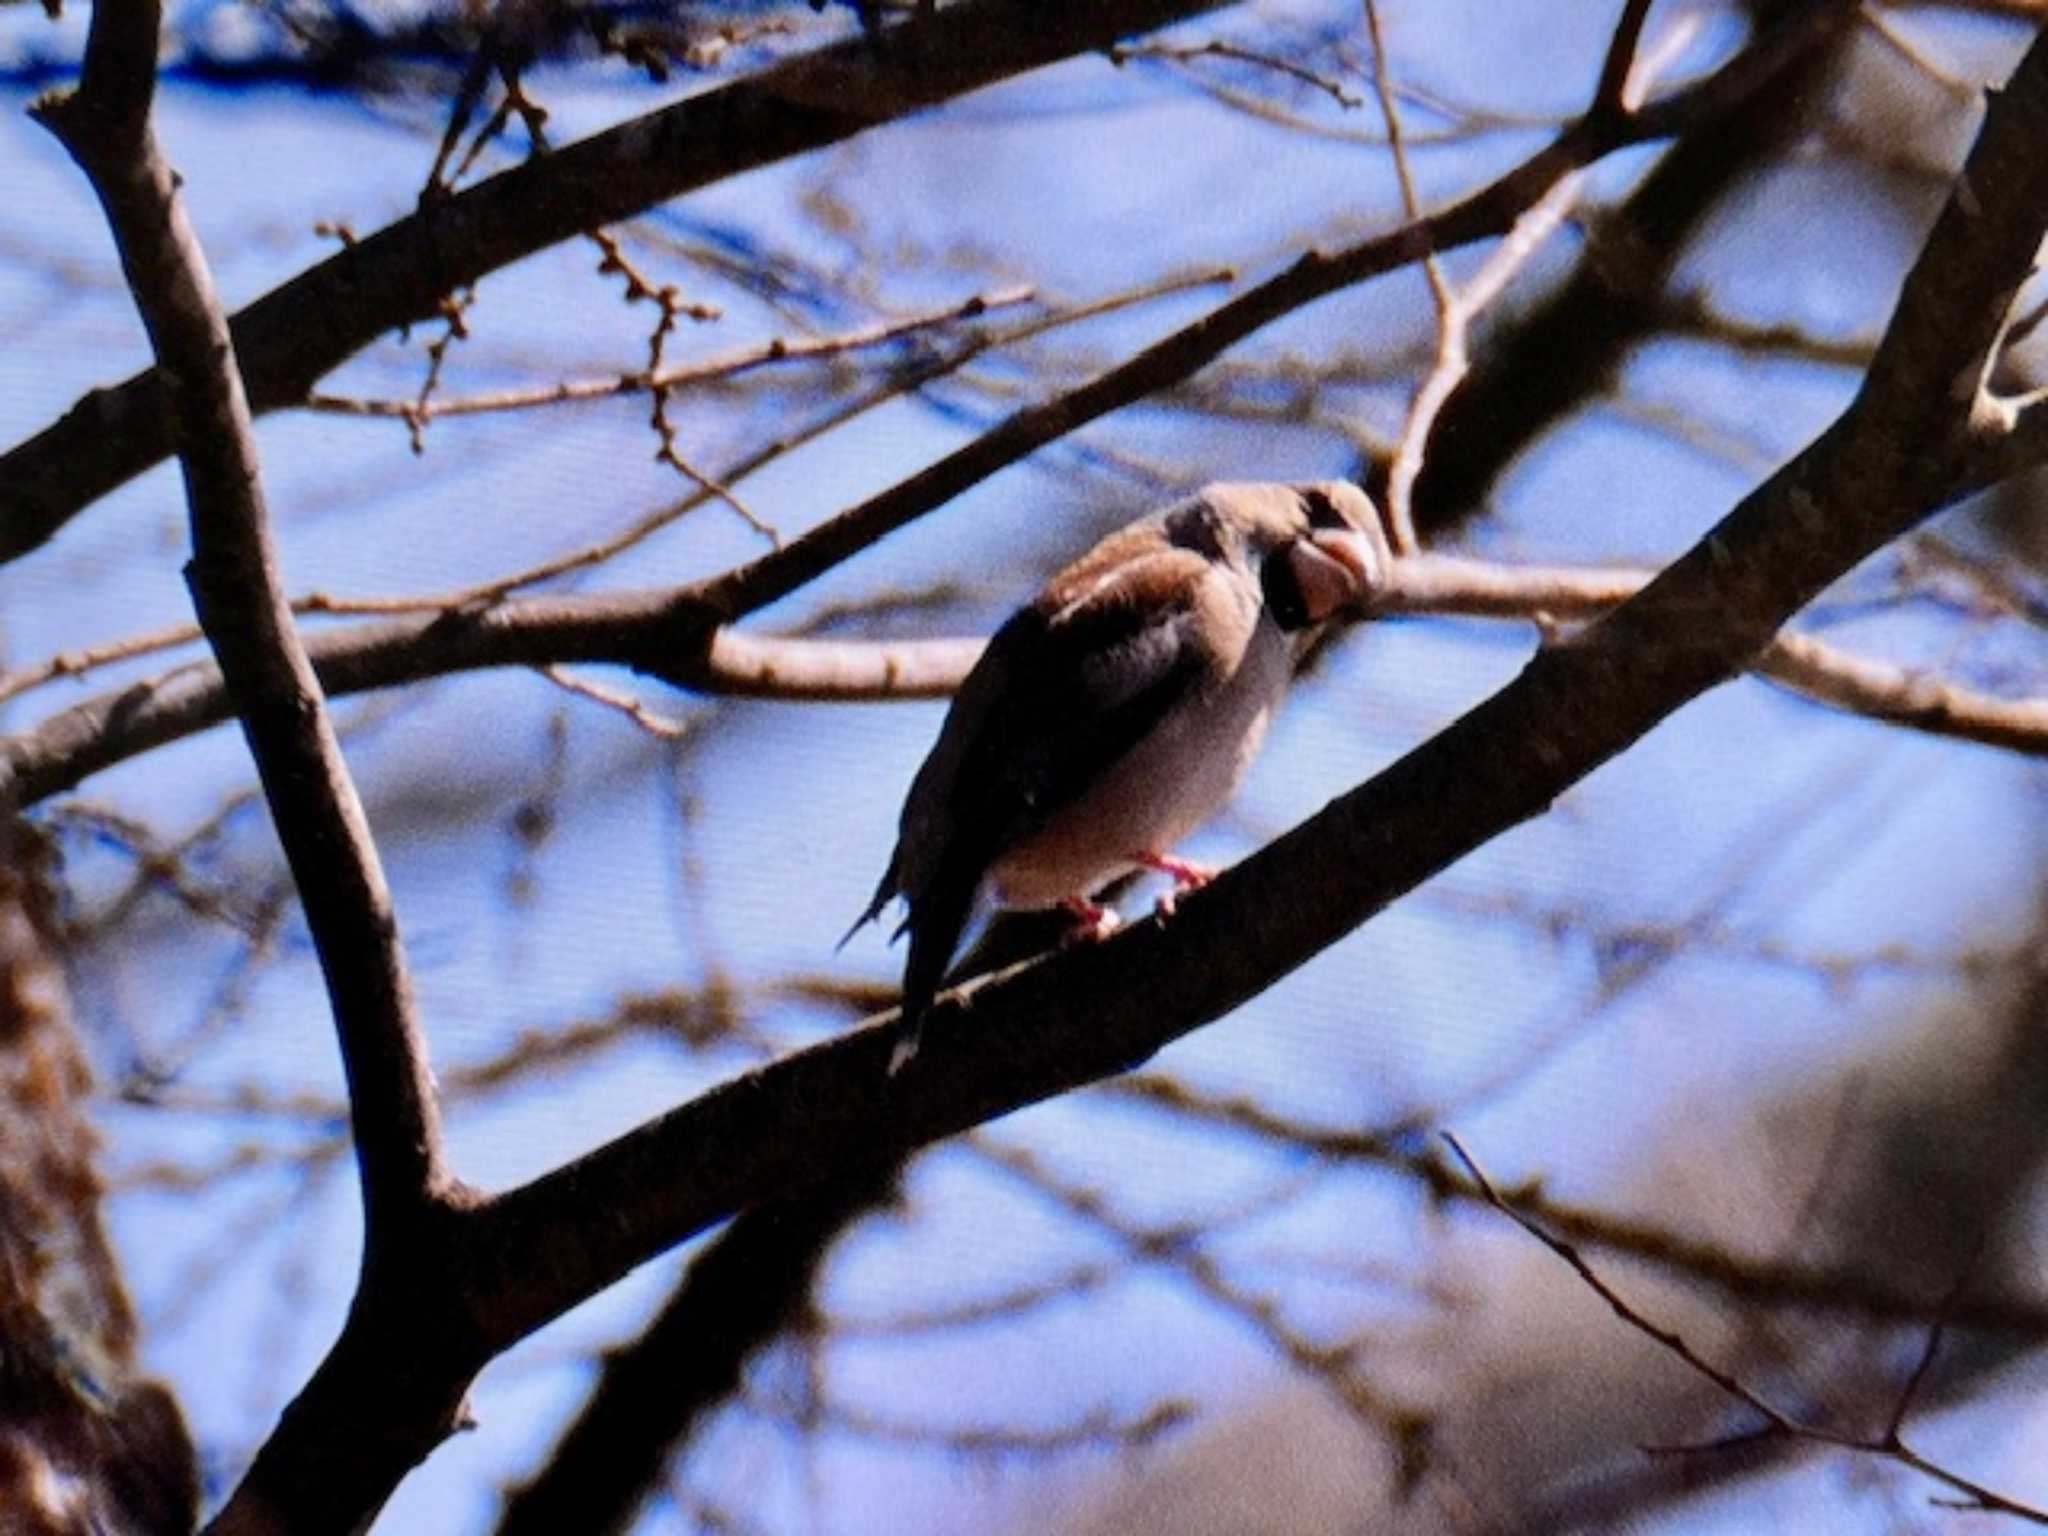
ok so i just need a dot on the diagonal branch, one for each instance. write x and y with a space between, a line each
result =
638 628
1902 451
1776 1421
750 1284
237 592
292 336
1491 211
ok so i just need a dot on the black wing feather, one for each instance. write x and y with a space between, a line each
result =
1053 703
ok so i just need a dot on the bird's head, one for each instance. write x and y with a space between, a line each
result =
1317 547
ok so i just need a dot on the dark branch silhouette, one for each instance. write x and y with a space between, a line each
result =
290 338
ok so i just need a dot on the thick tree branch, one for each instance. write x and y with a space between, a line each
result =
288 339
1904 449
1538 366
238 595
751 1283
1491 211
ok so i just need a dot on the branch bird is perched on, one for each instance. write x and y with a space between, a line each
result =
1117 710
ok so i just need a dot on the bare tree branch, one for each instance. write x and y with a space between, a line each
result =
751 1283
1611 94
238 593
1539 366
1903 450
1887 1446
1884 691
291 337
782 349
636 629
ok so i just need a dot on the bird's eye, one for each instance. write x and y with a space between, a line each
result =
1322 509
1280 585
1196 526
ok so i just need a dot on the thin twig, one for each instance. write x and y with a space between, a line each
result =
1932 1345
1888 1447
1450 327
1612 93
780 349
663 727
455 328
1455 313
1215 48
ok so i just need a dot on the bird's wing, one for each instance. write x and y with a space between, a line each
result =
1060 692
1063 691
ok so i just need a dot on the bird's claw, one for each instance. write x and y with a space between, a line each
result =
1186 875
1092 923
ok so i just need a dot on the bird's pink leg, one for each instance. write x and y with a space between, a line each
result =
1092 923
1187 876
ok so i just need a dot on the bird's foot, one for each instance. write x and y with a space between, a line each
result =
1187 876
1092 923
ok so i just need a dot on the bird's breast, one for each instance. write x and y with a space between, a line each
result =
1172 781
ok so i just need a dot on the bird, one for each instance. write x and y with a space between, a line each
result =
1116 712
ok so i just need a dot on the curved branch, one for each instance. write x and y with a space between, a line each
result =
652 632
1539 365
292 336
238 593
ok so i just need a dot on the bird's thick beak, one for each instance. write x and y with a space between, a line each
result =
1333 570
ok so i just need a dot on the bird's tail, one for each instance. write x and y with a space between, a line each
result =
938 915
885 892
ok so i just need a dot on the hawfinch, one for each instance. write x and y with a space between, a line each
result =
1116 711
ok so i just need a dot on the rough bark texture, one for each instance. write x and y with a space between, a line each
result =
88 1446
